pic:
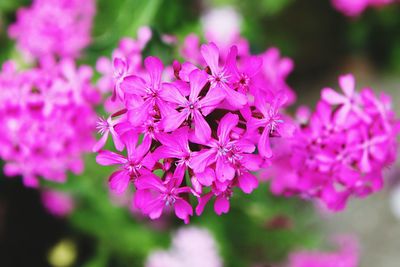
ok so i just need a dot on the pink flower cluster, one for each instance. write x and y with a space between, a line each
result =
60 28
341 150
199 125
47 120
354 8
346 256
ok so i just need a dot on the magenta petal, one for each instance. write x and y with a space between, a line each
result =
185 71
248 182
155 67
164 151
119 145
150 182
364 163
198 80
207 177
171 94
106 158
202 129
183 210
211 100
118 182
155 209
252 162
332 97
141 198
202 203
221 205
200 160
144 147
133 85
226 125
174 120
264 145
236 99
130 139
252 65
210 54
119 67
137 115
287 129
102 141
224 171
342 114
347 83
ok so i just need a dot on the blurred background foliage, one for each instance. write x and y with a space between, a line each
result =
260 228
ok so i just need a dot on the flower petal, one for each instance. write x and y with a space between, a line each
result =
202 130
202 203
247 182
154 66
106 158
332 97
224 171
133 85
206 178
174 120
183 210
264 146
226 125
118 182
200 160
198 80
170 93
210 54
347 83
211 100
221 205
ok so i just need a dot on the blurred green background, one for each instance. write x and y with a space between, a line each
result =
260 229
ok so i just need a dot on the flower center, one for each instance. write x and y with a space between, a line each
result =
169 199
133 168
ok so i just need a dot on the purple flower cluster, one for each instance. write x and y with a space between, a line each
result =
199 126
47 120
59 28
354 8
341 149
347 255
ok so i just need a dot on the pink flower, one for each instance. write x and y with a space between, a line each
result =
175 146
194 108
153 195
137 162
219 77
272 123
147 96
348 102
226 152
222 193
105 127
